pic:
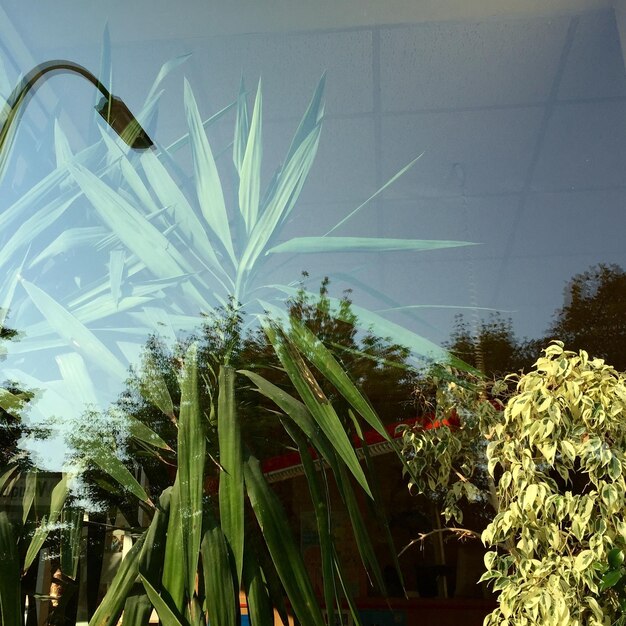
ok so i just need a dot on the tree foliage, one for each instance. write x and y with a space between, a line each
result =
553 469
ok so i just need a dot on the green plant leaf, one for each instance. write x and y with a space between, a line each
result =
30 489
610 579
171 197
302 245
231 490
73 332
242 127
258 598
71 537
282 547
110 464
322 518
221 598
110 609
167 615
174 567
316 402
57 500
208 185
250 172
319 355
284 195
10 592
131 228
191 453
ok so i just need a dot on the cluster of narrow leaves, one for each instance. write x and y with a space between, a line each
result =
445 452
202 547
558 453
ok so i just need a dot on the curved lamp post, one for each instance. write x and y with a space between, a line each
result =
112 109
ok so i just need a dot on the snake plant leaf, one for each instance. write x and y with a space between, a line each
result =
71 537
110 464
138 430
174 569
191 455
258 599
361 533
208 185
242 127
288 186
222 600
303 245
316 402
73 332
282 547
70 239
10 592
322 518
109 610
231 491
296 410
250 172
167 615
57 500
137 607
131 228
322 358
30 489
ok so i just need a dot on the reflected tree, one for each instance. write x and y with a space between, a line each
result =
593 316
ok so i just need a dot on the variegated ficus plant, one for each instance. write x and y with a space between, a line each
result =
110 249
548 460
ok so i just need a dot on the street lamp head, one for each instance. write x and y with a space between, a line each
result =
118 116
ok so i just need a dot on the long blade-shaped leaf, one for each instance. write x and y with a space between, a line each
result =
154 388
30 488
231 478
132 229
250 173
110 609
361 533
316 402
191 452
302 245
57 500
174 571
166 68
259 603
109 463
71 536
208 185
297 411
10 596
242 127
318 354
392 180
73 332
70 239
283 549
167 615
184 216
311 117
322 518
287 189
222 599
